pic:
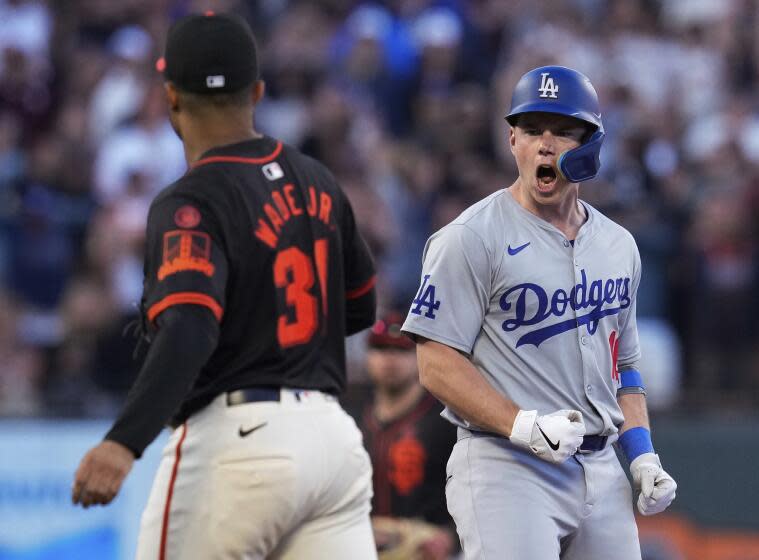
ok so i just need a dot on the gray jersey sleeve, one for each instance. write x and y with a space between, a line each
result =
455 289
629 346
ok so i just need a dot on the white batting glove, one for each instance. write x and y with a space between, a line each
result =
554 437
657 488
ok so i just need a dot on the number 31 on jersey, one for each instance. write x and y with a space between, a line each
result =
294 271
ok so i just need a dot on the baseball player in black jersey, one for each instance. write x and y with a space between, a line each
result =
409 443
254 274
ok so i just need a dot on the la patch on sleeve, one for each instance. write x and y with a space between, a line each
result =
425 298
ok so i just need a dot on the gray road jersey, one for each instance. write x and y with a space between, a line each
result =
547 323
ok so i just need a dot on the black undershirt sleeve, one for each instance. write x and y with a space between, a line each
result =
359 271
360 313
187 336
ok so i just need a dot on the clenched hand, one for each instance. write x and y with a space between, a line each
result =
554 437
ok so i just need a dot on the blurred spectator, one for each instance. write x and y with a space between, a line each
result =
407 440
408 187
26 26
145 147
44 236
334 123
373 60
21 374
86 311
12 168
723 271
660 359
120 93
24 88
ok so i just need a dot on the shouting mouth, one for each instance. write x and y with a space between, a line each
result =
546 176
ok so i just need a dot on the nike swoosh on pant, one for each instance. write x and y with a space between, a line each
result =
244 433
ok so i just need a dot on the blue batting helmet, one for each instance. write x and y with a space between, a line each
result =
561 90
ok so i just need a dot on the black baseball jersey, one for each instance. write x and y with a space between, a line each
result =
409 456
263 237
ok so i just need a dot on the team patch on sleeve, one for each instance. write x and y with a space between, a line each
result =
425 298
187 217
186 250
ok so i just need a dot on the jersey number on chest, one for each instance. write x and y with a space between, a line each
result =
294 272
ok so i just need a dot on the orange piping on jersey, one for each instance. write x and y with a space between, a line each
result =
179 298
237 159
170 493
360 291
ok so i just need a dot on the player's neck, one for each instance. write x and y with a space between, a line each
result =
564 213
389 406
200 136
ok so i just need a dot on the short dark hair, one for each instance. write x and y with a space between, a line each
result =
237 99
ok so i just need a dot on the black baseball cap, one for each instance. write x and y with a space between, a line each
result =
386 333
210 53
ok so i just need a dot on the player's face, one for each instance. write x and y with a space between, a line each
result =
537 141
392 370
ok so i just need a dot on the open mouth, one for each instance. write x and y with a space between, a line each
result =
546 175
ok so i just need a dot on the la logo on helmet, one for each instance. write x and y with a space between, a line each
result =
547 86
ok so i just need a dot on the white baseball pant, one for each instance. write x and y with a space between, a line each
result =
510 505
278 480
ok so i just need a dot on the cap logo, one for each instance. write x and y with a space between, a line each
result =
547 86
215 81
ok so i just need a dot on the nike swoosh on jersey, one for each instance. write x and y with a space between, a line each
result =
515 250
552 445
244 433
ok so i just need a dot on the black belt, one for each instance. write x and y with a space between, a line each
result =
590 443
253 394
593 443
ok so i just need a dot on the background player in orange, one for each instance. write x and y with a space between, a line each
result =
409 444
254 275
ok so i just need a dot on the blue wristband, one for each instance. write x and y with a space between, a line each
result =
631 378
635 442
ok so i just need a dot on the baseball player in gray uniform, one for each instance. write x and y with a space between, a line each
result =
525 328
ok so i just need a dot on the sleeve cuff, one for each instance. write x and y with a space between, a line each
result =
179 298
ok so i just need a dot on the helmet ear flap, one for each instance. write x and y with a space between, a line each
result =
583 162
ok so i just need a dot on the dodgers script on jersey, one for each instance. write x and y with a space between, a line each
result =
534 312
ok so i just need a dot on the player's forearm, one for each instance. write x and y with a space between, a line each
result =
634 410
453 379
185 340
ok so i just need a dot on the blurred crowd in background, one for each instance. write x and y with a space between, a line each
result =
404 101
